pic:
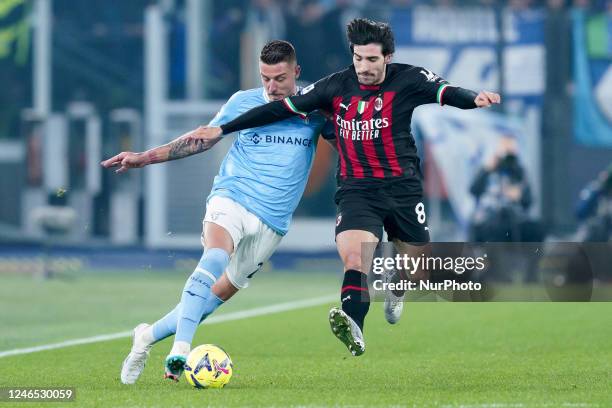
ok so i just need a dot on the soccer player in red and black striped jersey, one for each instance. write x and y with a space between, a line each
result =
379 177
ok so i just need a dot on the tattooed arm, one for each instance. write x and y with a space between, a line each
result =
183 146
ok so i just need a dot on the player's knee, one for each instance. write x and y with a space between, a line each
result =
216 236
352 260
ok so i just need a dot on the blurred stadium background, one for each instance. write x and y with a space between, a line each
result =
84 80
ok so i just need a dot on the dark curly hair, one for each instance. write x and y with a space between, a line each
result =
362 31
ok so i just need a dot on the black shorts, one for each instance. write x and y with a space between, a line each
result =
397 207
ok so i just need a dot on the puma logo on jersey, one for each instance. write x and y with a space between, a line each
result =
431 77
343 106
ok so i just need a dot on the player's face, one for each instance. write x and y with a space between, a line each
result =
279 79
370 63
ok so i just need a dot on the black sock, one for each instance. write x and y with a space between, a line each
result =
354 296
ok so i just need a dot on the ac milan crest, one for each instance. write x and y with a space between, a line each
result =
378 104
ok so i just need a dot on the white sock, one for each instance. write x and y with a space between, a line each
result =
181 348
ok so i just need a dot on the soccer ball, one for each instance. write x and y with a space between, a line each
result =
208 366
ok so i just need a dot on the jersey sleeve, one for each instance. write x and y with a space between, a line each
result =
315 96
432 88
229 110
429 87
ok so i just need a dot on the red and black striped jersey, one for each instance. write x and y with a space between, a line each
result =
372 123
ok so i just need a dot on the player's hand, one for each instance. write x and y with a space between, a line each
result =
485 99
125 161
206 133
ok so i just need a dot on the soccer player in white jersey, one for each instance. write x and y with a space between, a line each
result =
248 210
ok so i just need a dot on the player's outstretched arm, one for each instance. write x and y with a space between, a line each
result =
259 116
190 143
311 99
271 112
467 99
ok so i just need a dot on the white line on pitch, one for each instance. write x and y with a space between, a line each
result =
243 314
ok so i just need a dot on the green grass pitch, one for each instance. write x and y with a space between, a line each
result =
441 354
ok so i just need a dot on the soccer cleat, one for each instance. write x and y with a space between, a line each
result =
394 305
347 331
134 363
175 365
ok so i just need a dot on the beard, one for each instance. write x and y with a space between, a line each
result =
368 79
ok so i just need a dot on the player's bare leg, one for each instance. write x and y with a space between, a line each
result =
347 322
394 300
